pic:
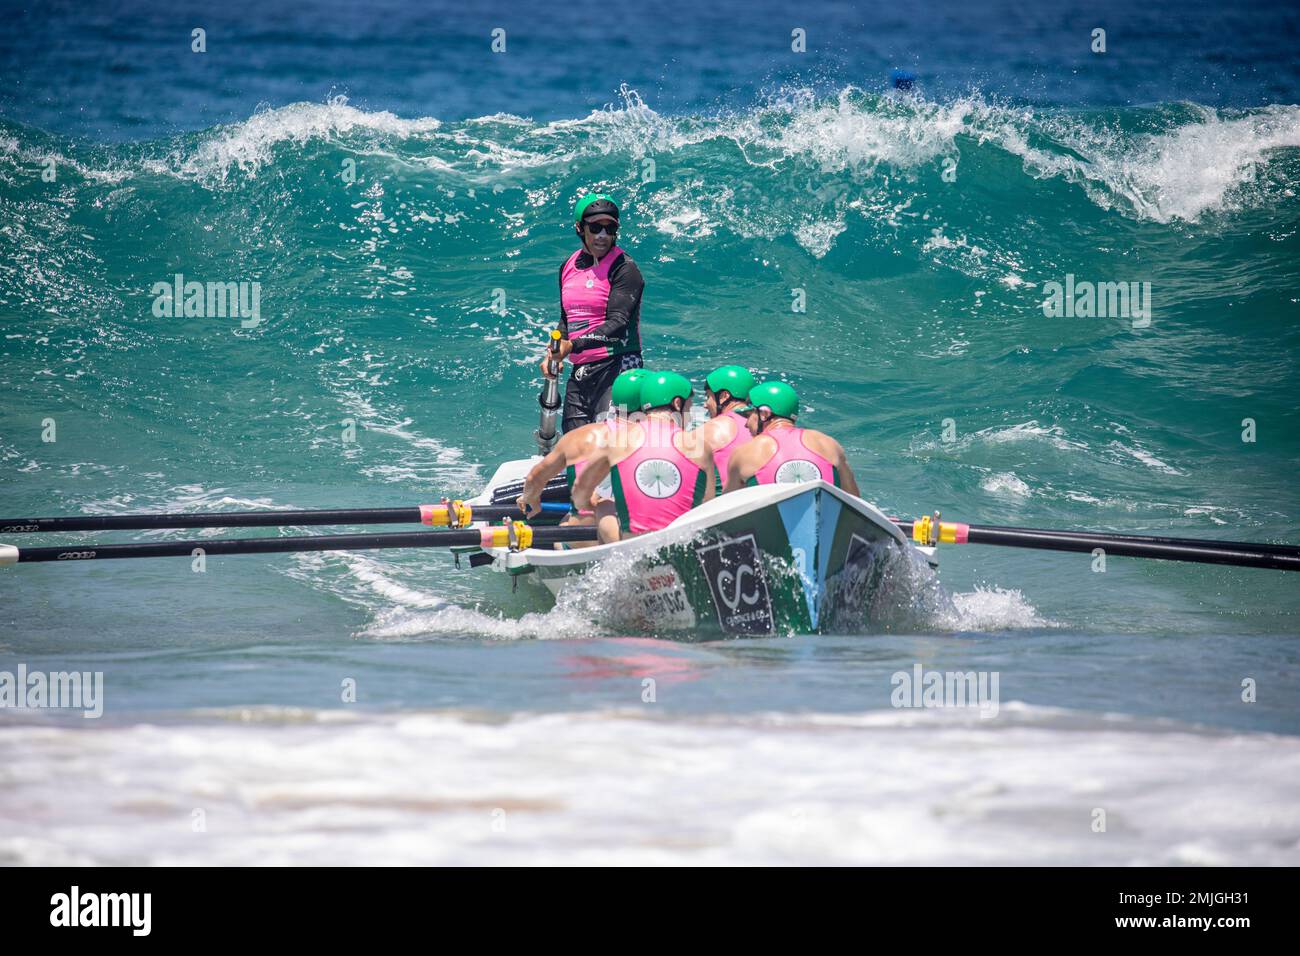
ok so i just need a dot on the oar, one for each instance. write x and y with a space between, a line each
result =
1280 557
432 515
497 536
549 399
1152 539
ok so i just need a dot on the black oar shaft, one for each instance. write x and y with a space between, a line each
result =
328 542
1250 546
1202 552
238 519
229 519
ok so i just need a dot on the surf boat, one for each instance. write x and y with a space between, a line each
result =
769 559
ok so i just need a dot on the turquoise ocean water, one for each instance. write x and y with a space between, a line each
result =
403 206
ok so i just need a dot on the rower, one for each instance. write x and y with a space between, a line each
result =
571 452
781 452
725 391
658 470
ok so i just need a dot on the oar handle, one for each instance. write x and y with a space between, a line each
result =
553 367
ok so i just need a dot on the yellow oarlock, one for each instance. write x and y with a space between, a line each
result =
921 528
949 532
515 535
449 514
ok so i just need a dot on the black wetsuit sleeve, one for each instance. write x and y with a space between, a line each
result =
622 310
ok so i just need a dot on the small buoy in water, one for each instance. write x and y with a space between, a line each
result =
902 79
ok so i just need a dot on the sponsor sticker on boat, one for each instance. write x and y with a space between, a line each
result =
851 590
734 570
663 597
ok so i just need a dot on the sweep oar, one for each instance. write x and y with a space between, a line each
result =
432 515
549 399
1280 557
517 535
1263 546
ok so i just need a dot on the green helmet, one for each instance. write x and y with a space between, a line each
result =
625 395
607 206
735 379
660 388
777 396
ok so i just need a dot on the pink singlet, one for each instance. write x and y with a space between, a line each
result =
585 294
656 483
794 461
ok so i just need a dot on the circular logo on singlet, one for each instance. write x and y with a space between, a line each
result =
591 283
658 478
796 470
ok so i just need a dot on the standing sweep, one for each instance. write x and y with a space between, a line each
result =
600 313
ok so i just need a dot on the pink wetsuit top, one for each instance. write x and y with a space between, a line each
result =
656 483
794 461
585 294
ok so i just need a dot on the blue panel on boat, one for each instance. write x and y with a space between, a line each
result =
799 514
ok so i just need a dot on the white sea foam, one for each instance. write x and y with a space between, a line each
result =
421 461
1200 163
1194 168
248 146
1145 457
637 787
996 609
400 624
368 579
1006 483
1031 432
838 154
819 237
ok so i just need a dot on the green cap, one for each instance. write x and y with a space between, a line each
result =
626 392
607 206
660 388
735 379
777 396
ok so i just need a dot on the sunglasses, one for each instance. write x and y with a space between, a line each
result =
596 228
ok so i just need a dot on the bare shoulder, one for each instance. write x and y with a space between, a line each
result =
629 432
617 443
717 431
577 437
694 444
823 444
596 435
574 445
760 449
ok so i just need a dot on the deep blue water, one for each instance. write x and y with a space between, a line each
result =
124 70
